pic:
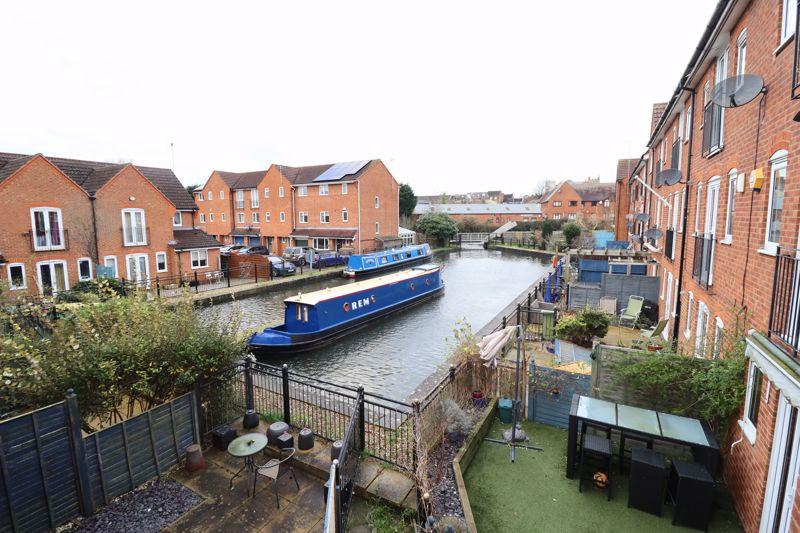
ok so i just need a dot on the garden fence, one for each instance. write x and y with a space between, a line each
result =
50 473
550 394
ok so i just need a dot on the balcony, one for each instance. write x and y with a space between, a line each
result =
703 259
784 315
45 241
669 244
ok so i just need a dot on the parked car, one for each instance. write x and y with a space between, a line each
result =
241 250
328 258
297 254
258 250
280 266
230 249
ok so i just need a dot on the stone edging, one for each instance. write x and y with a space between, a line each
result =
464 457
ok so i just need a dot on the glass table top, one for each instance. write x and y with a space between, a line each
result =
596 409
682 428
247 445
638 419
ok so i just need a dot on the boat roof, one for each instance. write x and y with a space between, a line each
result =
390 251
313 298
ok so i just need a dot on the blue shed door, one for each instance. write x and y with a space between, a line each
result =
238 239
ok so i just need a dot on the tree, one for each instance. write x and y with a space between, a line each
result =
439 225
408 200
191 189
571 231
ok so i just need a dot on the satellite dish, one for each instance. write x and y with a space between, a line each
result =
636 239
738 90
653 233
670 176
630 224
644 217
630 216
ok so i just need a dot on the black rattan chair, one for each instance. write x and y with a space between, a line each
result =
599 447
628 436
275 469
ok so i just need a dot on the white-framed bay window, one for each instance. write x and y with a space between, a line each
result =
777 187
161 262
84 269
47 228
17 279
133 227
199 259
752 403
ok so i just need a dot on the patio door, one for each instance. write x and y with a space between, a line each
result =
776 516
712 203
138 269
52 276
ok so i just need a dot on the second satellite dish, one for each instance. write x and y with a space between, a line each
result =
653 233
738 90
670 176
636 239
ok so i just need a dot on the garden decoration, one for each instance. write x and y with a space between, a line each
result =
513 442
600 480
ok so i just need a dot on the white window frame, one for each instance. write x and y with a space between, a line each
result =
698 208
344 189
239 199
377 203
682 203
281 192
267 217
266 192
211 217
166 266
114 260
344 214
51 263
668 286
702 312
49 244
324 217
210 195
11 285
749 430
302 190
222 215
730 207
778 161
200 196
302 217
254 199
323 190
240 218
720 74
282 217
91 270
676 294
687 332
221 194
719 329
196 258
202 218
788 20
377 228
177 219
741 53
688 124
126 240
556 203
254 217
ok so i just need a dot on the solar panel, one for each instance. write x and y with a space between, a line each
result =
340 170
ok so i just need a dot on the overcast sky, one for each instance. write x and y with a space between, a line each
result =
454 96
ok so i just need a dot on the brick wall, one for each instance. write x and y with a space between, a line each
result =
377 181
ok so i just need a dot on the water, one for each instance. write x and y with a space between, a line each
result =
395 355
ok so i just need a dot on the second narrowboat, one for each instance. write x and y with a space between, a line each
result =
363 264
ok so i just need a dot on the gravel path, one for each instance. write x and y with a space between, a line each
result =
149 508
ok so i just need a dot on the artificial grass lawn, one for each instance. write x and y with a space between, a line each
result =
533 494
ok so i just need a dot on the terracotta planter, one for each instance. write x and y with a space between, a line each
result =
654 347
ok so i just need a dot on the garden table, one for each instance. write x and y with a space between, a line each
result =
660 426
246 447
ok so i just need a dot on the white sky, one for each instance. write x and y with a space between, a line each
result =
454 96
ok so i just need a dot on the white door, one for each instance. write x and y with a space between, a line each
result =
138 268
668 302
712 201
52 276
782 479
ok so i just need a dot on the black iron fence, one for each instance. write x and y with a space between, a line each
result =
784 315
702 264
669 244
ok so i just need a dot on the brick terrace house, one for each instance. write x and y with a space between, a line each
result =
625 168
493 214
325 206
573 200
65 221
727 257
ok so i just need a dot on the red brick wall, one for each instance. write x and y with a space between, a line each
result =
276 229
220 203
376 180
566 194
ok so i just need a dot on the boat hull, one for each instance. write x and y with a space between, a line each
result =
365 265
305 342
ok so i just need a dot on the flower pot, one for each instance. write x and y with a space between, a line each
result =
250 419
478 399
654 347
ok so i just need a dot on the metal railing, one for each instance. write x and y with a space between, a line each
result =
712 128
45 241
344 471
784 315
703 259
669 244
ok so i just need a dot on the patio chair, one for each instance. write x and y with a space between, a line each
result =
630 315
651 334
598 446
275 469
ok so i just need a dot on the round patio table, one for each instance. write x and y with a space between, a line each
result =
247 446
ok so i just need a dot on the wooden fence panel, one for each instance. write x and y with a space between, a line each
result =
551 393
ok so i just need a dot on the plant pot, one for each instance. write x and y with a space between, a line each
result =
250 419
654 347
478 399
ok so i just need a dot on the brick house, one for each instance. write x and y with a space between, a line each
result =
325 206
625 168
66 220
571 200
492 214
727 255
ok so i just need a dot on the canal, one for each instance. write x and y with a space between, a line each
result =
395 355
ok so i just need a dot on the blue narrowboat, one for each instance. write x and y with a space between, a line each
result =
318 318
362 264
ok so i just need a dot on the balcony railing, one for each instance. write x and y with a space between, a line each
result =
43 241
784 315
703 259
669 244
712 128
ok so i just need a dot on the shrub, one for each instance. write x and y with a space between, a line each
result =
438 225
583 326
457 422
571 232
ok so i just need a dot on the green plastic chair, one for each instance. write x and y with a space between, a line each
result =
630 315
650 334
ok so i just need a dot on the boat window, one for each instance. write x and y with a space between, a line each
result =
384 260
297 307
408 254
305 313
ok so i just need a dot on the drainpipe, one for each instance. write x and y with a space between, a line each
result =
94 231
685 225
